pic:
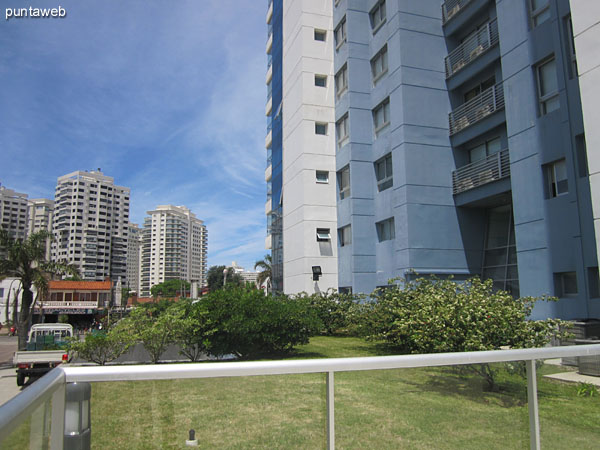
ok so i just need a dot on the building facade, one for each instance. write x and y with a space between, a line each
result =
39 218
301 206
134 257
13 212
463 149
90 225
174 246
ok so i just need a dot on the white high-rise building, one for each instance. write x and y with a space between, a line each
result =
39 218
134 257
13 212
174 246
90 225
301 146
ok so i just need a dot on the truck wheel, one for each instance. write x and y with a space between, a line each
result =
20 379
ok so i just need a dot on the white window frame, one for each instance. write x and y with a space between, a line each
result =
387 180
561 284
320 124
345 236
322 176
547 98
322 78
379 64
553 181
319 32
538 15
340 34
323 235
344 188
342 130
378 16
341 80
386 230
384 109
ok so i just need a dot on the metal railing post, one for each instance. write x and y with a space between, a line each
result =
330 412
532 402
57 427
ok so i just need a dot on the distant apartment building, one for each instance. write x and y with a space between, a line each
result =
301 145
462 147
248 277
174 246
39 218
90 225
134 257
13 212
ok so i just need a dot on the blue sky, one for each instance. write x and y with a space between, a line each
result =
167 97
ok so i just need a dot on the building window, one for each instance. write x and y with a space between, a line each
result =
381 115
548 87
556 176
484 150
345 236
341 80
570 43
343 177
321 80
379 64
341 129
580 149
322 176
320 128
565 284
384 173
320 35
386 230
340 34
323 235
377 16
345 290
539 11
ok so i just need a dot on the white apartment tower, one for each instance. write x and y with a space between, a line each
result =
301 143
39 218
174 246
13 212
90 225
134 257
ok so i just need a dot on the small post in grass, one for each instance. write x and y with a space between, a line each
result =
532 402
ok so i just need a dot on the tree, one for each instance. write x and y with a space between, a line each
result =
24 259
170 288
265 274
429 315
193 328
102 347
155 333
214 278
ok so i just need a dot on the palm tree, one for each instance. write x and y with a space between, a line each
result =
265 274
25 259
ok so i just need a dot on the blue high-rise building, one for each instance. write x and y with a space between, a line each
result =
461 148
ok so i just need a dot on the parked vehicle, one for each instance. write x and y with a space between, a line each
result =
45 350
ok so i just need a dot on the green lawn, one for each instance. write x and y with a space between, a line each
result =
437 408
415 408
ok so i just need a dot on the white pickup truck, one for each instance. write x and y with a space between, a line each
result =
43 351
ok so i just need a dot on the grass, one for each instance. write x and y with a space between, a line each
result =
412 408
429 408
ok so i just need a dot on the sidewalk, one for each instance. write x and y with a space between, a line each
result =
8 374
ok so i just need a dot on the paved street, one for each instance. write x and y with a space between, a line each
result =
8 377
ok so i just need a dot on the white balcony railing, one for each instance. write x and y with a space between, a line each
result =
52 387
476 109
494 167
472 48
451 7
70 305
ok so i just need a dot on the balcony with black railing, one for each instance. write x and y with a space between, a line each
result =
494 167
476 109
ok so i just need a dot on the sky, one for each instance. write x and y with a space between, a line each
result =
166 97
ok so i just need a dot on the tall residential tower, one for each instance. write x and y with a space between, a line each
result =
301 206
90 223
